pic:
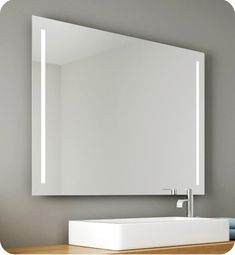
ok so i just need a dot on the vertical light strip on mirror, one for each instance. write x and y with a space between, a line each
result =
197 122
43 106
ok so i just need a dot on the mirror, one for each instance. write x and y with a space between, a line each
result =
113 114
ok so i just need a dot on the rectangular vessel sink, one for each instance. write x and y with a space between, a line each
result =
135 233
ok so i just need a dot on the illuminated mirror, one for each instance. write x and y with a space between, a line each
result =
113 114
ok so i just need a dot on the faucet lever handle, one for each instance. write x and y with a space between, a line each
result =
172 190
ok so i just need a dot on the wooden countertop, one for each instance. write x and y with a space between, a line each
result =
210 248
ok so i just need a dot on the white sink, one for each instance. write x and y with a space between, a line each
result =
134 233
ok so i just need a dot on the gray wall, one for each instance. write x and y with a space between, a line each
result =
204 25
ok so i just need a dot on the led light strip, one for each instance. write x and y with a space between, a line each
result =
197 122
43 106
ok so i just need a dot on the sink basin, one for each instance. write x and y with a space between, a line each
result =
135 233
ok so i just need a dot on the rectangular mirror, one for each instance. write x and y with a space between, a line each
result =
113 114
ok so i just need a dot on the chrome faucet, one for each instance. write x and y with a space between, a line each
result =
189 201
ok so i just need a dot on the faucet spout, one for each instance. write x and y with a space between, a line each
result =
181 202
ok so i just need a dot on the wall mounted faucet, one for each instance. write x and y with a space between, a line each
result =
189 201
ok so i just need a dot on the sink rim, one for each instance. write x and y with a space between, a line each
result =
148 220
